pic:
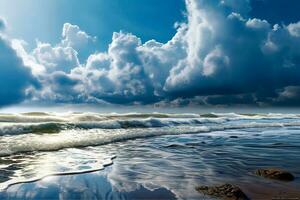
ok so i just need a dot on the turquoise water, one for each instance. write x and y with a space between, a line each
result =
144 156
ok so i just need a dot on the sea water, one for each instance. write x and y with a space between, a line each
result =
133 156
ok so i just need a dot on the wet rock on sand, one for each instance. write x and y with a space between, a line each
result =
276 174
226 192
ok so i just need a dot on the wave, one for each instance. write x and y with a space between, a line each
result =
39 123
36 117
77 138
30 132
56 127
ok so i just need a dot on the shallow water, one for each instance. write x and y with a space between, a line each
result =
157 155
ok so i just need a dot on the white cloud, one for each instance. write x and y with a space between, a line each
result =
258 24
214 60
294 29
218 55
208 55
119 74
74 37
28 59
56 58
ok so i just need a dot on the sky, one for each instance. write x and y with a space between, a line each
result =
100 18
171 53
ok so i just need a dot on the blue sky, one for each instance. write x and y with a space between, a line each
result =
166 53
154 19
276 11
43 20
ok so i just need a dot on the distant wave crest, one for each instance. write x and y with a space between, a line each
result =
88 129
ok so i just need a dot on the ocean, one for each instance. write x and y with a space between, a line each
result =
85 155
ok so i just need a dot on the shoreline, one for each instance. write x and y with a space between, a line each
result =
259 189
170 165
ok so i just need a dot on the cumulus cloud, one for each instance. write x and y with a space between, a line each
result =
217 61
28 59
77 39
229 55
118 75
64 56
294 29
219 55
74 37
56 58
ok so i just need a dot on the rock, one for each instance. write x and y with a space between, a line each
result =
276 174
226 191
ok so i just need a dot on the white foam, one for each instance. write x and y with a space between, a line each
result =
67 162
88 129
76 117
93 137
54 127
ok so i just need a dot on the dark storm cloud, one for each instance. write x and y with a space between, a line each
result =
14 76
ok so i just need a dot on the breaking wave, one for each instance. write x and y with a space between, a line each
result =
56 127
31 132
94 137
